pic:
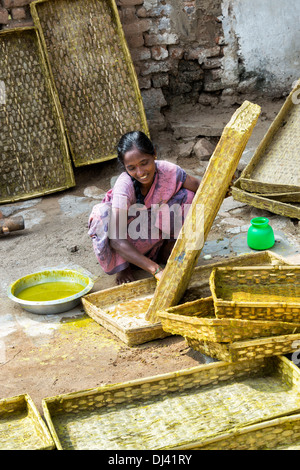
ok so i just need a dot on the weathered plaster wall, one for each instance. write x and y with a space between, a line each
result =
262 44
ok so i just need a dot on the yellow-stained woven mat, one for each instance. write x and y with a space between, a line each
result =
278 206
21 426
34 154
204 209
257 293
182 409
93 73
197 320
246 350
277 434
275 166
284 197
122 309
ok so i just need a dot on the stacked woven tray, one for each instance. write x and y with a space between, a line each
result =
254 311
200 407
271 180
34 153
92 71
64 98
122 309
21 425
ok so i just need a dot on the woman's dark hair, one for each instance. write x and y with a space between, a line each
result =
140 141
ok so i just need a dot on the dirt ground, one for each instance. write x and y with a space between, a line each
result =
49 355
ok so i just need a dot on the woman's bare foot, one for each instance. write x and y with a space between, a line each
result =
125 276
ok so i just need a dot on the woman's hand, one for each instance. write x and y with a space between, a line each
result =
130 253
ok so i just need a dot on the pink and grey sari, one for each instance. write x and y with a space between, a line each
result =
148 226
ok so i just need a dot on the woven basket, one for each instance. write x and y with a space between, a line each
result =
21 426
178 410
283 197
279 207
247 350
276 434
34 154
92 70
197 320
122 309
101 305
275 166
204 209
267 293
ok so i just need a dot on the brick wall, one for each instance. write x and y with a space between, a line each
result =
176 47
14 14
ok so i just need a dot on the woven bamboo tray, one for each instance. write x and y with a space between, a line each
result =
203 210
197 320
134 329
34 154
248 349
275 166
279 207
182 409
21 426
121 310
283 197
276 434
259 292
92 70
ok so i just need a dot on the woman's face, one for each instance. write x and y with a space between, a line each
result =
141 166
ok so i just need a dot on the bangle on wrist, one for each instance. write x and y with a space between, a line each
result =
158 270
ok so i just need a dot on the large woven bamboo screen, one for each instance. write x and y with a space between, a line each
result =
92 71
34 156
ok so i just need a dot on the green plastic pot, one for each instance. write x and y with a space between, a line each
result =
260 234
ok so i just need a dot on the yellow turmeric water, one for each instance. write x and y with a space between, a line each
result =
50 291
